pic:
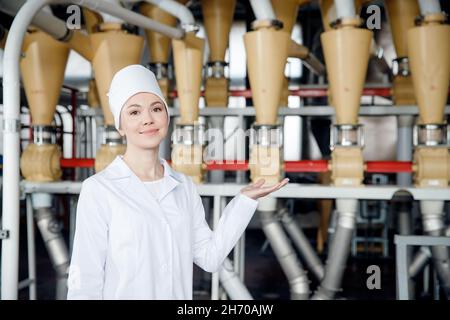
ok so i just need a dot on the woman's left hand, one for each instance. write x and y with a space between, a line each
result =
257 190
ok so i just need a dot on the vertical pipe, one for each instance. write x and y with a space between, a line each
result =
429 7
50 231
344 8
11 144
339 250
241 267
433 224
263 9
405 228
215 275
31 249
404 146
404 153
216 123
285 253
233 286
303 245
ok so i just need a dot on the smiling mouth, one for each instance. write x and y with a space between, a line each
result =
149 132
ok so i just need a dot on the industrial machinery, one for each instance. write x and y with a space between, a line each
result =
198 50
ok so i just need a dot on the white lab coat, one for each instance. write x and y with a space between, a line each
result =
129 245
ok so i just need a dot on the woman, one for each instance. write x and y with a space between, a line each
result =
140 225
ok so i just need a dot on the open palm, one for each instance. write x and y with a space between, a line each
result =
257 190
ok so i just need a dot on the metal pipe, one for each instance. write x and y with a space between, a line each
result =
429 7
315 65
339 250
298 280
263 9
302 243
11 151
404 146
31 246
11 123
404 153
57 28
44 20
344 9
405 228
422 258
176 9
109 18
130 17
216 124
433 225
50 230
234 287
419 262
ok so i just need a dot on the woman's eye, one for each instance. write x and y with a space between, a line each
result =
133 113
157 109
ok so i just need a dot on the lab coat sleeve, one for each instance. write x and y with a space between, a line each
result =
212 247
86 272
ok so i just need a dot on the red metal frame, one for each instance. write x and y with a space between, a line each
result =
289 166
305 92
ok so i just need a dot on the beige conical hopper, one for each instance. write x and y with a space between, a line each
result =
188 58
92 20
429 59
92 96
267 51
42 69
158 44
402 14
218 16
286 11
328 12
346 51
113 50
403 91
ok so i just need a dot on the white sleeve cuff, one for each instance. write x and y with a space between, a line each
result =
247 201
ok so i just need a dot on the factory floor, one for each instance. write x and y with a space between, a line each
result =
263 275
265 279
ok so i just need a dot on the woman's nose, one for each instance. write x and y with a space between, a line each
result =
148 117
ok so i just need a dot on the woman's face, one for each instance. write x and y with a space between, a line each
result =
143 120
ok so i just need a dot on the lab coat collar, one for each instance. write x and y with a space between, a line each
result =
118 169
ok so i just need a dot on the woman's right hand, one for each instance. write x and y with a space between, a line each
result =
257 190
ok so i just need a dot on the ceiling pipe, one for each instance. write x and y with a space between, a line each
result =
44 19
107 18
178 10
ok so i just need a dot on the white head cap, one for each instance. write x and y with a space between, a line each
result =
129 81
